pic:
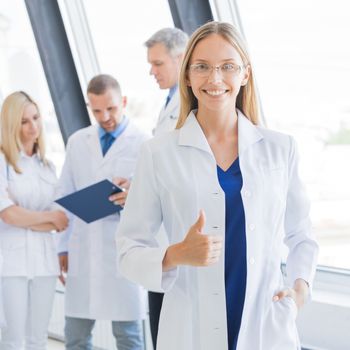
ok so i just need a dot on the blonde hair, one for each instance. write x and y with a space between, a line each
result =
10 122
247 100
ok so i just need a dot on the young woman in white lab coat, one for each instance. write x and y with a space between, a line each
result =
229 195
29 258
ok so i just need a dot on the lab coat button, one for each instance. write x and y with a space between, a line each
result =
251 261
251 227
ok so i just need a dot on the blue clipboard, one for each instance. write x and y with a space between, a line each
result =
91 203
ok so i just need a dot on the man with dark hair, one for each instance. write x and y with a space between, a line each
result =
94 288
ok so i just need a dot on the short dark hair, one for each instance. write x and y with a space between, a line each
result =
99 84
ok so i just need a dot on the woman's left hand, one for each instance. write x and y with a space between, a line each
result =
298 293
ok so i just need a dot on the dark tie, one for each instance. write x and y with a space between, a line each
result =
108 141
167 100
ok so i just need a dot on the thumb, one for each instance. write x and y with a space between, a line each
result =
199 224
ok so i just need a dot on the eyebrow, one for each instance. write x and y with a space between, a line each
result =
200 60
35 115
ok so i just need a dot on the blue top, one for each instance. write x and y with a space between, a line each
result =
115 133
235 249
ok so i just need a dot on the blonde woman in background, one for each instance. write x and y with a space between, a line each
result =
229 195
2 317
30 263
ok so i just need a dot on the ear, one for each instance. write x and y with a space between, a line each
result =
124 101
247 71
187 80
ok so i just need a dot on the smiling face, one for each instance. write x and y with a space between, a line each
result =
217 90
107 108
30 125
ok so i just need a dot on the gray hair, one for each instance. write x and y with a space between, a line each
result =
174 39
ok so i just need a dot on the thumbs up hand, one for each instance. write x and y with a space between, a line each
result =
197 249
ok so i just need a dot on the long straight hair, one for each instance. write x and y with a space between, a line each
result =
247 100
10 123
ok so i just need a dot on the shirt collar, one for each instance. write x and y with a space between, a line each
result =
116 132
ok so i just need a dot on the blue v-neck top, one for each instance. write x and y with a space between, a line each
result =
235 249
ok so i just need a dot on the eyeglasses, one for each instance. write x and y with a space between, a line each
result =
204 69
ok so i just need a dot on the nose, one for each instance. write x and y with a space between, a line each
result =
215 75
105 116
152 71
33 125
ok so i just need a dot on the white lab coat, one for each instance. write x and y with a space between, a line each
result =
26 253
168 115
177 176
94 287
2 315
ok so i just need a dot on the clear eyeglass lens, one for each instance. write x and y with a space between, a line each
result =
205 69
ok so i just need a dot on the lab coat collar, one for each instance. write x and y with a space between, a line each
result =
191 134
248 133
35 156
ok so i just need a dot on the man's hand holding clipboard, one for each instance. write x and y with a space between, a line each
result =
119 198
96 201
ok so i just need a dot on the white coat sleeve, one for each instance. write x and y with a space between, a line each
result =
64 187
139 256
5 200
303 249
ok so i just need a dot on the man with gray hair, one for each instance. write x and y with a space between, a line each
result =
165 50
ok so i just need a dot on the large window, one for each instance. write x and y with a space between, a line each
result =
21 69
302 58
118 31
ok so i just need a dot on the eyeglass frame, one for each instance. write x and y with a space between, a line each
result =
217 68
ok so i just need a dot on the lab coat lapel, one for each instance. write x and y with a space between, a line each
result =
172 105
120 145
170 110
94 144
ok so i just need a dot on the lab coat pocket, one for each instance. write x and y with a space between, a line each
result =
48 176
274 178
280 327
13 253
122 167
292 306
